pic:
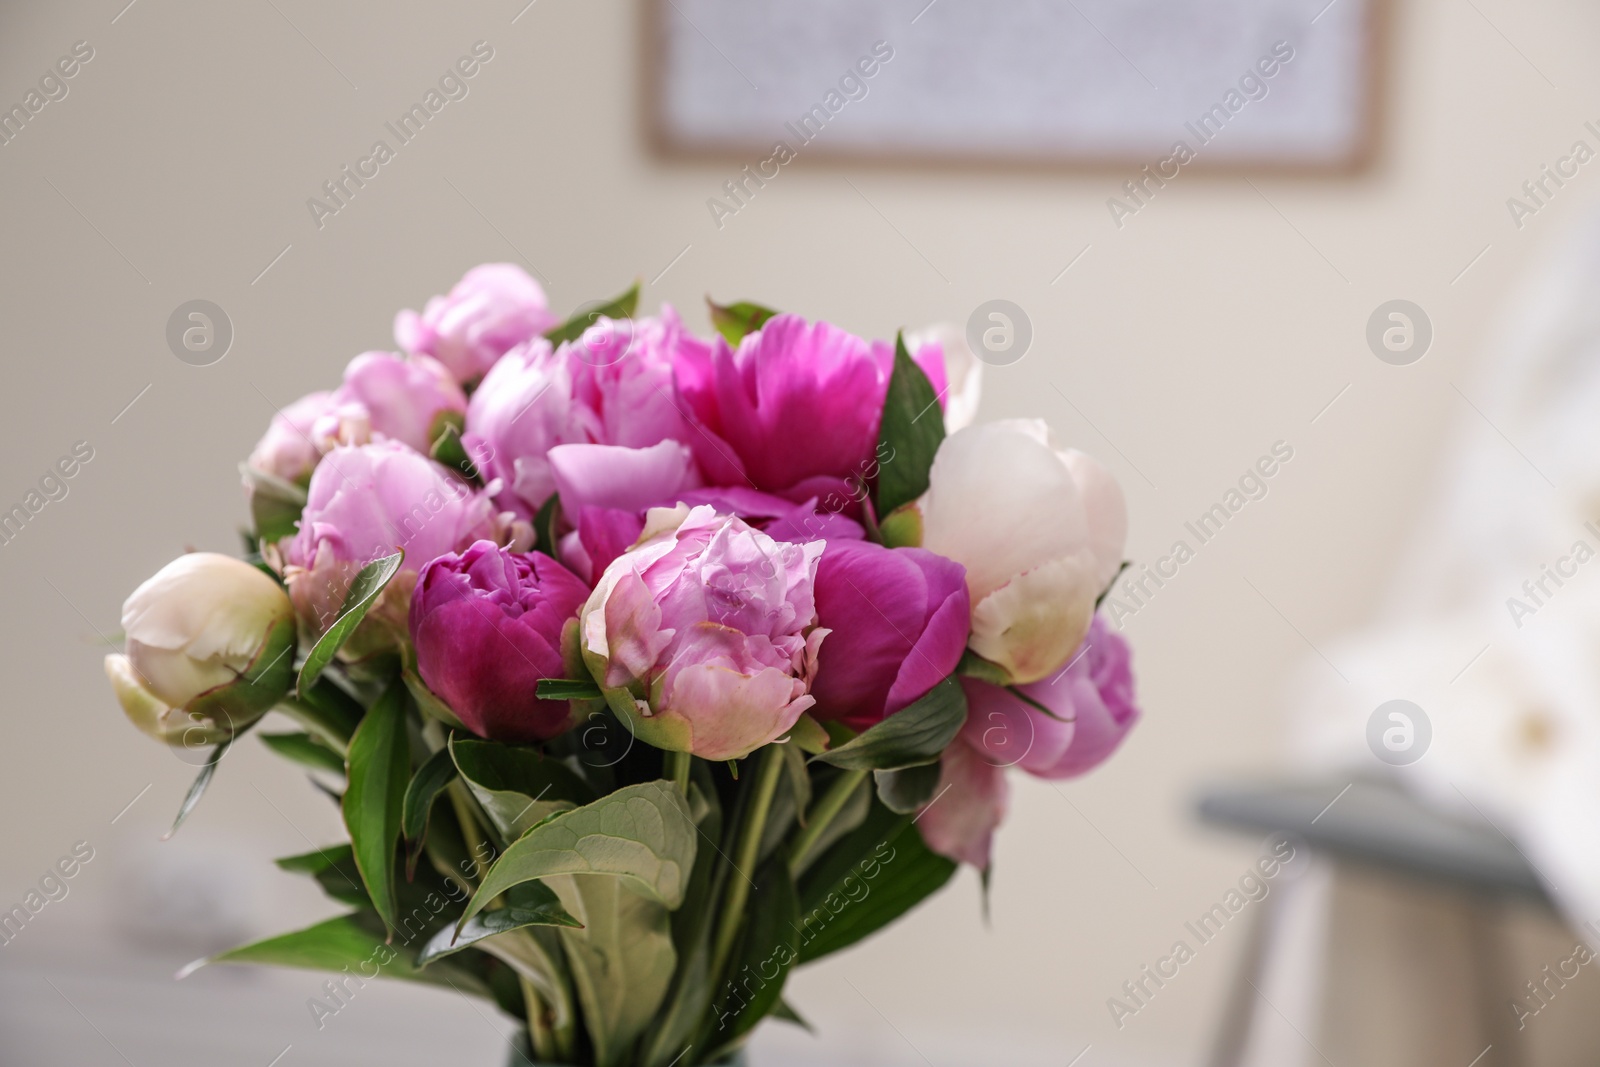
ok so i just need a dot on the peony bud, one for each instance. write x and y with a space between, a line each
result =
364 503
898 624
1039 545
287 450
385 396
492 309
704 635
487 626
210 649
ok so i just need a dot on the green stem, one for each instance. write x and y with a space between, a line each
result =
822 813
745 854
470 833
539 1035
678 764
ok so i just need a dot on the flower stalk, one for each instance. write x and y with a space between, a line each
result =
745 855
822 813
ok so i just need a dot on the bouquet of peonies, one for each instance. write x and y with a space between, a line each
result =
642 667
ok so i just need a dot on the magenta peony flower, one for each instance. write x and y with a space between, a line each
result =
705 634
613 386
486 625
287 450
386 396
1094 692
793 411
898 620
967 807
492 309
363 503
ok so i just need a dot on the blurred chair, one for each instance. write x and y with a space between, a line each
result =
1432 929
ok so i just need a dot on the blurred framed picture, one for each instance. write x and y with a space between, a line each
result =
1232 84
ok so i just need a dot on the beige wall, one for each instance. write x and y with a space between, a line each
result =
1193 338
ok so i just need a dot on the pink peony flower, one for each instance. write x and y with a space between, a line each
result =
486 625
492 309
287 450
1094 694
705 635
390 397
364 502
611 387
794 410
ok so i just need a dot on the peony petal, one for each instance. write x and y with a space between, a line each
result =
1010 733
969 804
1106 509
1033 624
1001 502
628 479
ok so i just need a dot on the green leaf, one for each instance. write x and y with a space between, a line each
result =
566 689
679 1020
536 905
887 856
517 786
379 768
306 751
910 737
544 526
327 712
335 870
348 942
785 1011
448 450
909 433
364 590
809 736
973 665
906 790
768 948
734 321
622 960
275 504
535 953
202 782
641 834
426 785
621 307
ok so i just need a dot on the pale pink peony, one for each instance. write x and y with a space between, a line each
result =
390 397
287 450
612 387
491 310
364 503
705 634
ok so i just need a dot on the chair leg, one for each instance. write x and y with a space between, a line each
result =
1228 1048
